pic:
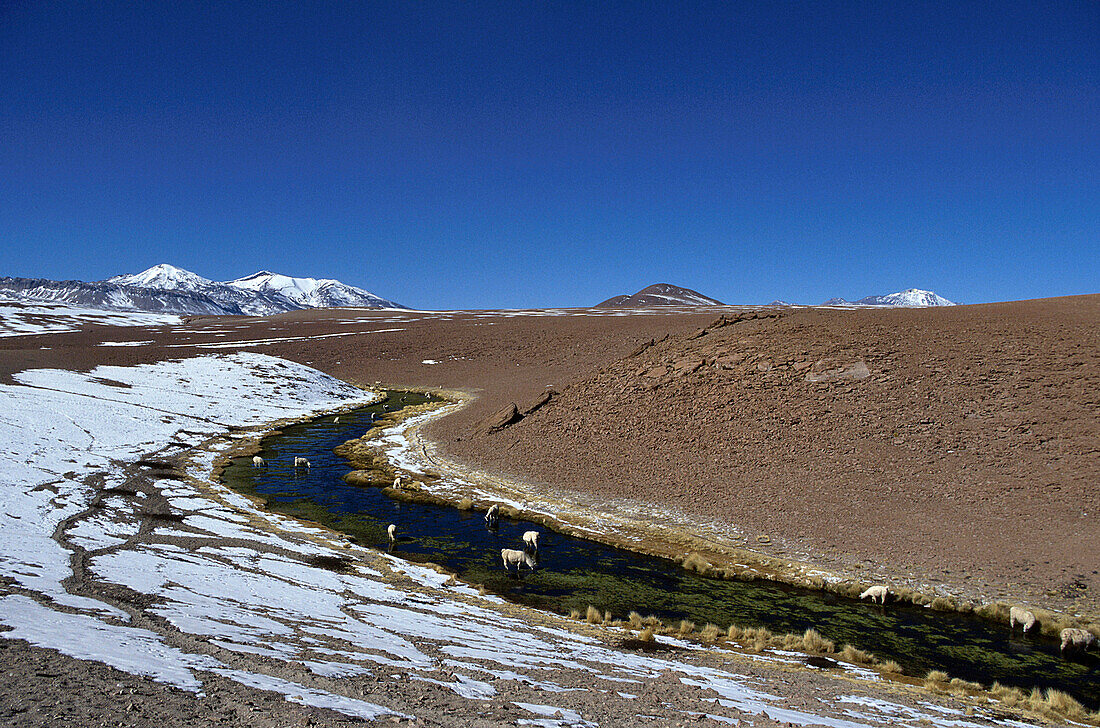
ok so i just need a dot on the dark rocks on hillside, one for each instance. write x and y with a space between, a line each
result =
539 401
512 413
502 418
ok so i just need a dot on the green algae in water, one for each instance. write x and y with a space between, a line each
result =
574 573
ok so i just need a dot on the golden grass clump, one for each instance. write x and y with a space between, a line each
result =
733 633
593 616
943 604
997 611
1064 704
936 679
856 655
646 634
635 620
813 643
465 504
892 668
964 687
607 617
757 637
710 632
575 614
685 628
695 562
1004 693
481 590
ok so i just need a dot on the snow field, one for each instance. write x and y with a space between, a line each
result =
241 581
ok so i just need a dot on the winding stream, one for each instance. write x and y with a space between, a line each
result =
574 573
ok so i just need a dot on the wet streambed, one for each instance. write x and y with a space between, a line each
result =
574 573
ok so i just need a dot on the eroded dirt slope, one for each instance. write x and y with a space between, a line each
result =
962 442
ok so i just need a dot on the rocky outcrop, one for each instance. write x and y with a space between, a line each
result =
512 413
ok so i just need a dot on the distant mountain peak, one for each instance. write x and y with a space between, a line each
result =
165 288
310 292
164 277
909 298
660 294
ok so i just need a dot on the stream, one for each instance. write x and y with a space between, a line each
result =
574 573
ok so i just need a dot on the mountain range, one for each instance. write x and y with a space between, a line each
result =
913 298
167 289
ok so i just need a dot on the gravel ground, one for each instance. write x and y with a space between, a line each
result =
960 446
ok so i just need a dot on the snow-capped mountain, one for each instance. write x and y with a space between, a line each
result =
660 294
311 292
912 298
163 277
167 289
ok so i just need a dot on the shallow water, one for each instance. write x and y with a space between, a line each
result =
574 573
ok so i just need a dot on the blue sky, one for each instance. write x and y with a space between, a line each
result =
484 155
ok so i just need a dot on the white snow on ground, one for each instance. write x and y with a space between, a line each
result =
20 318
240 581
266 342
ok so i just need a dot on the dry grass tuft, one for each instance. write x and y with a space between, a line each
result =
481 590
635 620
593 616
943 604
891 668
734 632
965 687
575 614
465 504
813 643
998 611
607 617
685 628
646 634
710 633
1035 699
936 679
695 562
856 655
757 637
1064 704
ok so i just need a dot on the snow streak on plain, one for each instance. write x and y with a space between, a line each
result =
248 584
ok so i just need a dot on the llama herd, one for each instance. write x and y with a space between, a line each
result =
512 558
1073 638
299 462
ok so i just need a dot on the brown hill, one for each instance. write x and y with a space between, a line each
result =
660 294
961 444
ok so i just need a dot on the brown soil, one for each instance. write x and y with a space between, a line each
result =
966 452
958 444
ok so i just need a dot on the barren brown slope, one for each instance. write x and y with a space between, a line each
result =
970 452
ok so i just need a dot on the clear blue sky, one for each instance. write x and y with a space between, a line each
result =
489 155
